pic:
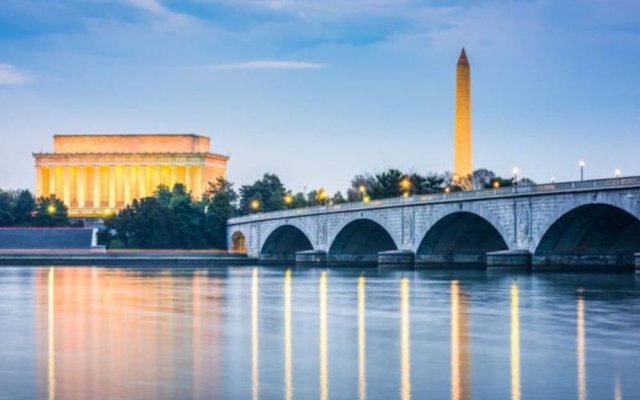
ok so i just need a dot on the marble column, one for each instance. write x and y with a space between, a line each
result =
112 187
97 184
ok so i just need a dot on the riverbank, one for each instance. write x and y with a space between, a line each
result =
138 258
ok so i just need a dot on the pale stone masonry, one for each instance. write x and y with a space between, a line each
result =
590 222
95 175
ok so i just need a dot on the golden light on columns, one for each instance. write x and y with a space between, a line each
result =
324 372
255 339
288 374
459 345
580 349
51 341
405 341
362 340
515 342
462 138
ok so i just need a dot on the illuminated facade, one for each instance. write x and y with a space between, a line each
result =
462 159
95 175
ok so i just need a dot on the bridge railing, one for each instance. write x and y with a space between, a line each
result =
632 181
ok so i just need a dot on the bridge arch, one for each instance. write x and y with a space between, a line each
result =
359 241
238 242
597 234
460 237
282 244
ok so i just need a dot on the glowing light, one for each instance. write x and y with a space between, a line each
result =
362 188
288 375
496 184
51 209
618 173
447 189
405 183
580 344
362 340
51 350
405 194
405 344
288 199
366 199
553 179
515 342
581 164
459 343
254 204
255 339
324 373
516 171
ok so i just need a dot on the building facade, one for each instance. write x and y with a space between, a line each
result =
95 175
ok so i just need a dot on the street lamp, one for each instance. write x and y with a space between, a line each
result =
496 184
618 173
553 179
581 164
254 205
366 199
51 209
288 199
515 176
405 186
363 191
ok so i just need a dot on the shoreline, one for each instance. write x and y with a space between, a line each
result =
122 258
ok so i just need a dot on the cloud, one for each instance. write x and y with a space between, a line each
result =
267 65
9 75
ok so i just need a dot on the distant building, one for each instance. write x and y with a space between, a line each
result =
462 158
98 174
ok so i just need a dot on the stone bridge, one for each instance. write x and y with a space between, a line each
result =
583 224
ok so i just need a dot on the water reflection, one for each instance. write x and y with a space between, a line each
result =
515 342
288 379
459 344
51 341
255 339
582 380
164 334
405 341
324 374
362 340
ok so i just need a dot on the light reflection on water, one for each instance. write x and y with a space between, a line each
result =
272 333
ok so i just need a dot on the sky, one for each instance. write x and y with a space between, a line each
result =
318 91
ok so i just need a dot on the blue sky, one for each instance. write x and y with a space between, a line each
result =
317 91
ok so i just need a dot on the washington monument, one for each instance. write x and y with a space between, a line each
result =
462 159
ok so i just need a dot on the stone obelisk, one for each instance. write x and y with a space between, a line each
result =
462 163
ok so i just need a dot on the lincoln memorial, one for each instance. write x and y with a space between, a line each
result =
96 175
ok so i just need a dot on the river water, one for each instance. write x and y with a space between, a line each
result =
279 333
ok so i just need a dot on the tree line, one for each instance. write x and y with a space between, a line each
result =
174 218
20 208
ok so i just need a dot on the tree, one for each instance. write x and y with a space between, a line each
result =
268 191
338 198
361 185
23 208
387 184
219 204
481 178
6 212
50 211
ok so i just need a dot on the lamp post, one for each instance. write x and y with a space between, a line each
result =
363 191
618 173
515 176
581 164
254 205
